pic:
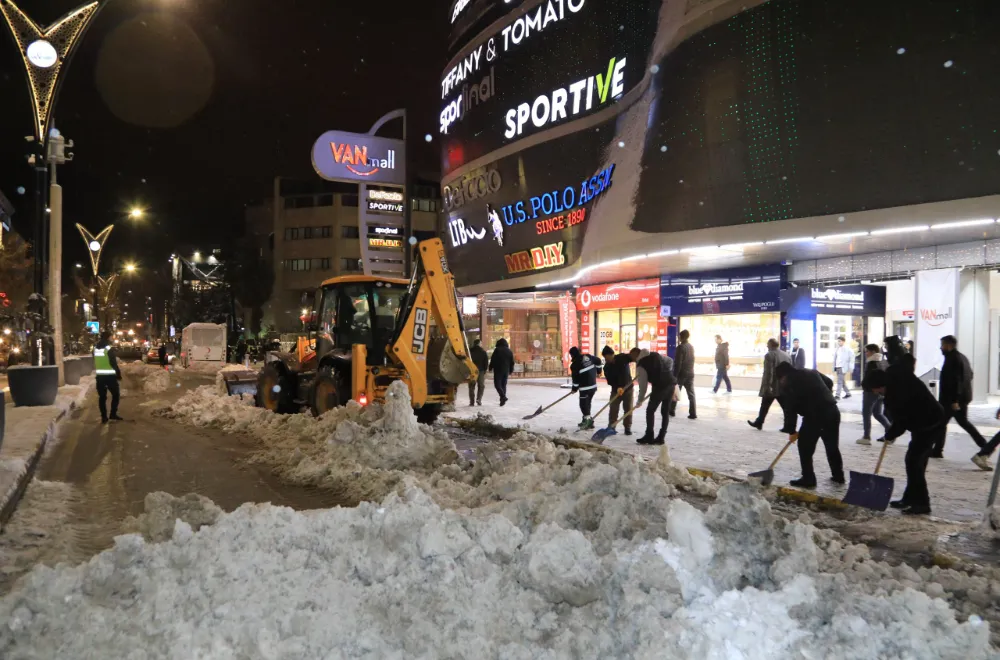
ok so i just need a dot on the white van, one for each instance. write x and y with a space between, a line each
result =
203 342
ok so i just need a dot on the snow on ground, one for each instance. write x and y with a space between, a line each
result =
162 509
145 378
409 579
360 452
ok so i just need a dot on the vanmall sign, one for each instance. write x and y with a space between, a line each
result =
359 158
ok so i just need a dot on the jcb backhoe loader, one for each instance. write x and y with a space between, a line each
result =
368 332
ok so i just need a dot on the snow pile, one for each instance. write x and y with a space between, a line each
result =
162 510
408 579
145 378
361 453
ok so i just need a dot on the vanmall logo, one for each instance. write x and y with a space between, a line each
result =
836 295
355 158
933 318
711 289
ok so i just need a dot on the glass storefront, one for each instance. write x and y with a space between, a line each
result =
534 335
747 335
625 329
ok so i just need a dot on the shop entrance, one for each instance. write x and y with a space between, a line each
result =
625 329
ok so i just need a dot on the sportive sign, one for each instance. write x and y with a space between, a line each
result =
359 158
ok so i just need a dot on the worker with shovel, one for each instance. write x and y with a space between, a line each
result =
912 408
584 371
808 393
657 372
618 373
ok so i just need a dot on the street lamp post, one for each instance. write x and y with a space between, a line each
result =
46 54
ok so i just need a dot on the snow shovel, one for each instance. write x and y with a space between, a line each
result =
767 476
870 490
603 434
541 410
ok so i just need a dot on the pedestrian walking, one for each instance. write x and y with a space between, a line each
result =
482 362
656 372
502 366
583 370
798 355
843 364
108 374
808 393
162 354
722 365
872 403
770 388
913 409
982 458
684 373
955 393
909 346
618 373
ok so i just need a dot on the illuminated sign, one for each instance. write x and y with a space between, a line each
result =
385 207
385 196
42 54
469 98
580 96
461 232
560 222
385 231
359 158
471 188
558 201
459 8
538 258
393 243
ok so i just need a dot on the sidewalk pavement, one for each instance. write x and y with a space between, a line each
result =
28 430
721 441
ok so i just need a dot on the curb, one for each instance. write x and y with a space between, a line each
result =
31 464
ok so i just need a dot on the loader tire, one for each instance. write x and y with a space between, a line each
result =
274 391
325 394
429 413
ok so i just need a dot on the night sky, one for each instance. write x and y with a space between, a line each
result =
189 108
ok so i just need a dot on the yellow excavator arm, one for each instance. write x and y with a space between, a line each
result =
431 298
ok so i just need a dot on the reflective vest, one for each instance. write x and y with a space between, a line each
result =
102 362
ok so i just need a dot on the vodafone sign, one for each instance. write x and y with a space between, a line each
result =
641 293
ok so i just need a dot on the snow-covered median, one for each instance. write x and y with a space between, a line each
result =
145 378
409 579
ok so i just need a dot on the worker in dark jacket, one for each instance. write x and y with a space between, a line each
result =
913 409
955 393
618 373
482 362
584 370
107 374
808 393
502 366
722 365
684 372
657 372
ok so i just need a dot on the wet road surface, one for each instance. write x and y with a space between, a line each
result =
95 476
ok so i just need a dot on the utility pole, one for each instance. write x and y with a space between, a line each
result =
57 156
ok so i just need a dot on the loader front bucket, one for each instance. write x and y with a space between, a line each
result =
242 383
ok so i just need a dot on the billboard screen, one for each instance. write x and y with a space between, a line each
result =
788 109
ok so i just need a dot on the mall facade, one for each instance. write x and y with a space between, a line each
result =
623 170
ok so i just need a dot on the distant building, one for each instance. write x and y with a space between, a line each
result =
6 211
313 233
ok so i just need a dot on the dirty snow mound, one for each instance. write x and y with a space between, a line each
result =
269 582
145 378
163 510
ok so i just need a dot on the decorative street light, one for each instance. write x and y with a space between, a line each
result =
95 244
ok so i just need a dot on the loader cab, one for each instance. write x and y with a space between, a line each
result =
357 310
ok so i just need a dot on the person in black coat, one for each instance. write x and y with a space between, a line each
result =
656 371
684 372
502 366
482 362
798 355
162 354
955 393
809 394
618 373
913 409
584 370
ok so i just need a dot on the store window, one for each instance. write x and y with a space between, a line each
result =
747 335
533 335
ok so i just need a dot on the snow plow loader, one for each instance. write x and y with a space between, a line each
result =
366 333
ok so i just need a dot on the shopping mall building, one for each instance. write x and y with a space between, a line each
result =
615 171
